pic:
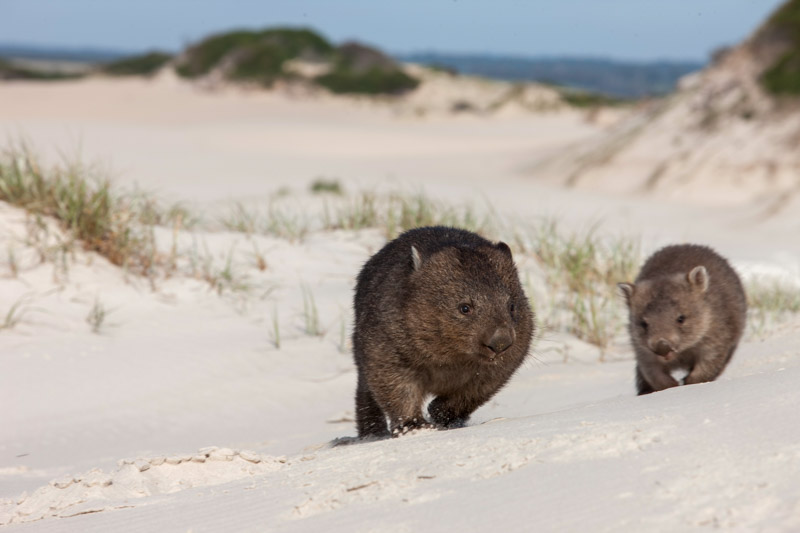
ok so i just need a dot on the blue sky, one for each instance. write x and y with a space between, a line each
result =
623 29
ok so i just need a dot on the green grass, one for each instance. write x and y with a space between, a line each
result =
783 26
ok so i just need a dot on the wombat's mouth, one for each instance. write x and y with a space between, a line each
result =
488 355
669 356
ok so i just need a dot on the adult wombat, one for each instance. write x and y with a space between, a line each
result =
687 310
439 311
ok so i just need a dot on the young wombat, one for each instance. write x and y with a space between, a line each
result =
439 311
687 310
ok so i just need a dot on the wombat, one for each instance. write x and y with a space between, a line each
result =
438 311
687 311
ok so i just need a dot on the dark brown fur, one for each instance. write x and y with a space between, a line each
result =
412 338
687 311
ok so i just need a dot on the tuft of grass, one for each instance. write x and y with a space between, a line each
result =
13 264
259 261
329 186
310 313
16 312
117 226
276 328
770 302
275 221
397 213
97 316
582 272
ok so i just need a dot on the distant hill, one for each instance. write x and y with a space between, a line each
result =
729 134
615 78
606 76
57 53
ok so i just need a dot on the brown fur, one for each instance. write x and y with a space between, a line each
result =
687 311
415 338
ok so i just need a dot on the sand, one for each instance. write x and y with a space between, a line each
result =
182 414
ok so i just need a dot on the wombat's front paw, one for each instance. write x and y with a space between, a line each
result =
444 417
410 426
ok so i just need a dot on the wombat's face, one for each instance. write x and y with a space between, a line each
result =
669 314
465 305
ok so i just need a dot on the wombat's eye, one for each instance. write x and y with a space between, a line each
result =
643 323
511 308
465 309
681 319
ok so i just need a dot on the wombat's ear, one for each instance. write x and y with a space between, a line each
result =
627 290
503 247
698 278
416 260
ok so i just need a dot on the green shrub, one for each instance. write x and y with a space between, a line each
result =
255 54
784 76
322 185
578 98
373 81
138 65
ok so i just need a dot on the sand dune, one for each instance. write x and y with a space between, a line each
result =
181 412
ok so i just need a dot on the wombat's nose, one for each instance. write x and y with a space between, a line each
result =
662 347
501 340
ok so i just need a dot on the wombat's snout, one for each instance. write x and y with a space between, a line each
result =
661 347
501 340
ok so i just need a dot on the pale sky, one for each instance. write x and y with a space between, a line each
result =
622 29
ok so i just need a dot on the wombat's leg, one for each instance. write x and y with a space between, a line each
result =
642 386
452 411
706 369
403 404
370 420
655 373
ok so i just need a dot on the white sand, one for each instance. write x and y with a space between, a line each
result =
107 432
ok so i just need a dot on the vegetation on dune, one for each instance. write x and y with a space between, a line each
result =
783 28
10 71
372 81
363 70
138 65
577 98
260 57
116 226
252 55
